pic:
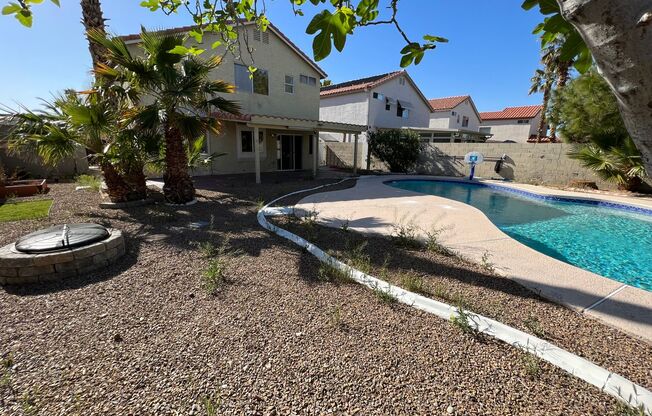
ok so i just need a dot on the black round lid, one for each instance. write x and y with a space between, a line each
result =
55 238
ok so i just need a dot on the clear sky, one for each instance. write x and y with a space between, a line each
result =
491 54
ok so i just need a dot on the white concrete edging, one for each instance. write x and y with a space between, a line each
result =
607 381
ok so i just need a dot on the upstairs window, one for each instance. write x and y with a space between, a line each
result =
258 83
289 84
388 105
401 81
305 79
402 112
523 121
379 96
465 121
242 80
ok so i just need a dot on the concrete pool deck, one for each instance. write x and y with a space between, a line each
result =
374 207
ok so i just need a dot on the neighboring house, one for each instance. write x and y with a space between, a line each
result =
457 112
279 122
385 101
513 124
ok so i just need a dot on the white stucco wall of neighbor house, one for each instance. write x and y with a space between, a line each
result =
348 108
504 130
401 91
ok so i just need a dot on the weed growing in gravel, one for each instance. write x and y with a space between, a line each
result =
433 244
28 403
5 371
214 276
384 296
212 404
531 365
345 226
463 321
329 273
336 317
413 283
93 182
357 258
532 323
310 219
207 249
623 409
404 235
260 203
486 263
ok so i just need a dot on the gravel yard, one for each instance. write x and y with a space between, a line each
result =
144 338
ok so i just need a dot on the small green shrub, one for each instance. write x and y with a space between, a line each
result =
624 409
486 263
310 219
93 182
356 258
260 203
212 404
433 244
336 317
213 277
344 226
404 235
398 149
207 248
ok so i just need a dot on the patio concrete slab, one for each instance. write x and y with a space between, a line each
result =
371 206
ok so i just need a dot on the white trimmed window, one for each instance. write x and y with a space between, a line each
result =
245 142
379 96
289 84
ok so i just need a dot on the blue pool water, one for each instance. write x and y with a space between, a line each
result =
611 240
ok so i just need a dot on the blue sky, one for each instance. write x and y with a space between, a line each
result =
491 54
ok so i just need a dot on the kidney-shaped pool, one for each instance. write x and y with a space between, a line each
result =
609 239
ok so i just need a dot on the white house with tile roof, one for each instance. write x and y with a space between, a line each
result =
385 101
458 112
512 124
279 123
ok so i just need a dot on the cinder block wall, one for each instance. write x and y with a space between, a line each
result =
340 155
542 163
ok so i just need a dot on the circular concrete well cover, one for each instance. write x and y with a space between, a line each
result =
61 237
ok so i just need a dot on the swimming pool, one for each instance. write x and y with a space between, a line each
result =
609 239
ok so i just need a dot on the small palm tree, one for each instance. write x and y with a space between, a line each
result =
92 122
182 98
542 81
620 163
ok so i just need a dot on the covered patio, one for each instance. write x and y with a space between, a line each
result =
283 131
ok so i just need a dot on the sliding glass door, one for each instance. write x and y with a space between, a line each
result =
289 152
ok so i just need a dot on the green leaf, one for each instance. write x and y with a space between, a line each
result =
197 35
216 44
11 8
431 38
56 2
179 50
25 18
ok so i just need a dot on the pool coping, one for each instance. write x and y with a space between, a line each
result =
372 206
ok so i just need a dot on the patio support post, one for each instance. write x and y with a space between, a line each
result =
315 153
355 154
257 153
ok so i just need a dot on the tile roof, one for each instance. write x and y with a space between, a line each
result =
523 112
358 84
280 34
447 103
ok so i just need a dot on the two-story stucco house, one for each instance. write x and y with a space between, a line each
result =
513 124
385 101
279 125
457 112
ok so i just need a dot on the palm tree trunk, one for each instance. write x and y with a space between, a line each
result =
542 122
136 180
562 79
92 18
178 187
116 186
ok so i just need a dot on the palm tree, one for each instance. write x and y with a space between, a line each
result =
542 81
93 19
88 120
182 98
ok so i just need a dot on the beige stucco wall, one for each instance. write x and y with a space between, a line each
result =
348 108
279 60
543 163
379 117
